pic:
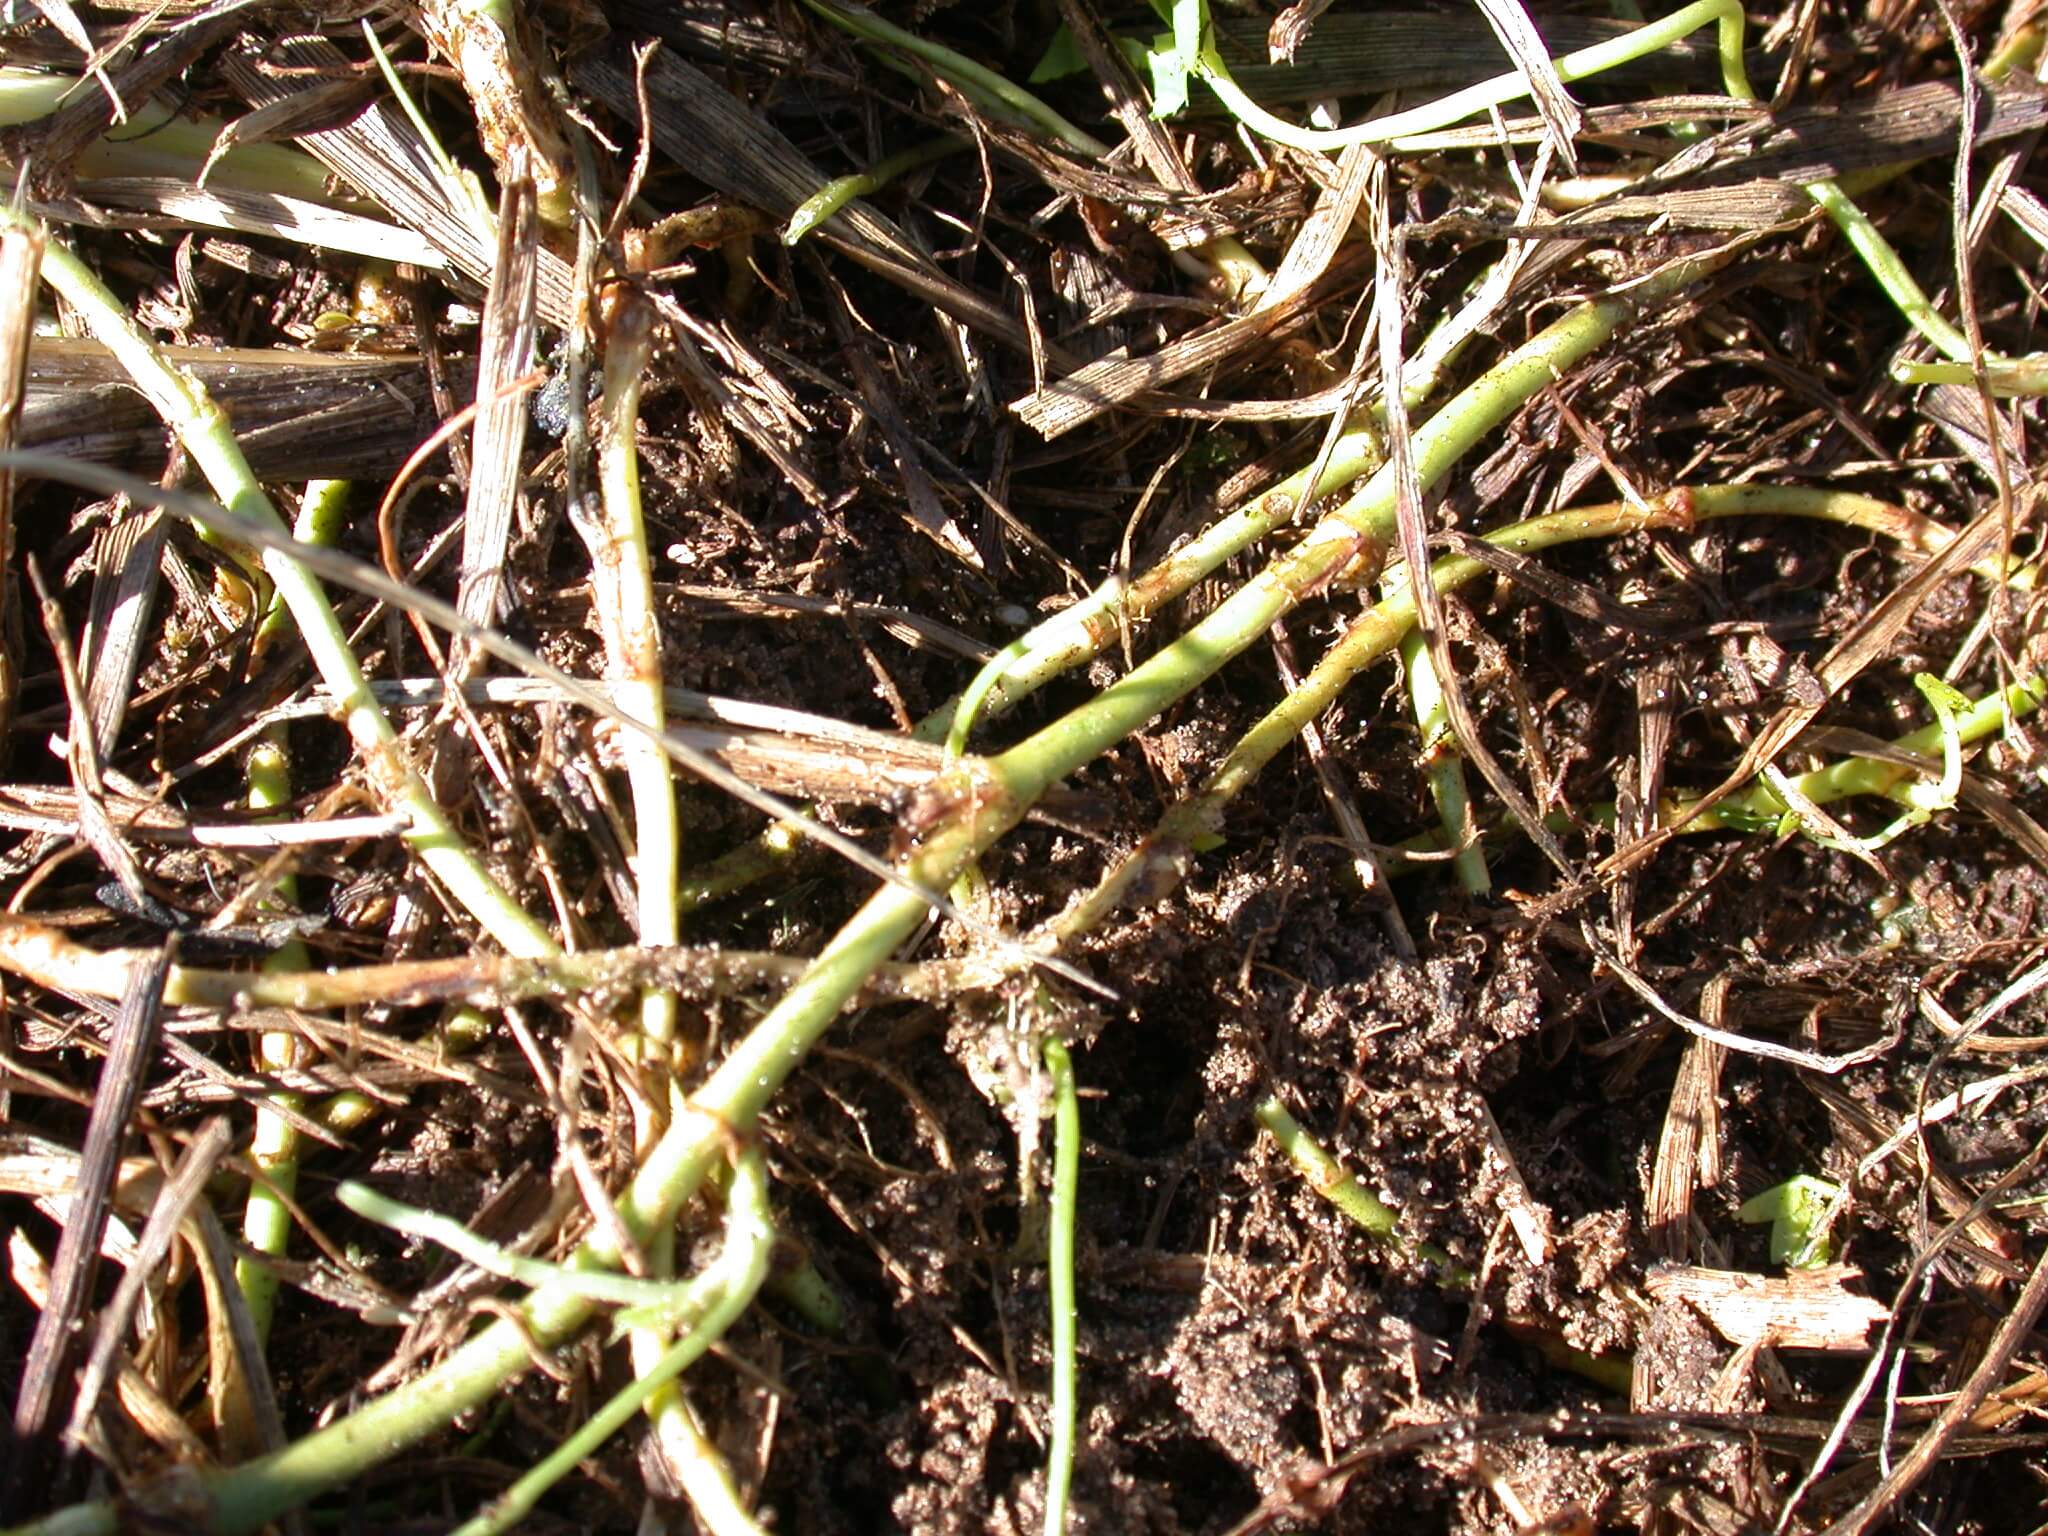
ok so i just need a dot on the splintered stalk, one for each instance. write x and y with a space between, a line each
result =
1059 1261
515 114
207 435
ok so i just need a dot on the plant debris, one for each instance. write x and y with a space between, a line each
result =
1264 1092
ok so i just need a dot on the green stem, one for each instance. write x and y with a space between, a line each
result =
1381 629
274 1148
1725 15
841 190
209 437
1076 635
2005 377
1334 1182
622 576
738 868
1326 1176
715 1301
1759 807
156 141
1066 1200
1443 765
966 808
988 87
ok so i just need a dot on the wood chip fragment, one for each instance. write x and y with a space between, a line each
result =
1802 1309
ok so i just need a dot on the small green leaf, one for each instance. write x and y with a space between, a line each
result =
1169 72
1062 59
1796 1210
1940 695
1177 55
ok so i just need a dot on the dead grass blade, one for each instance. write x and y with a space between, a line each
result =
186 1184
379 153
1120 379
498 437
1149 138
46 1372
126 567
1689 1147
1800 1309
1363 51
297 414
147 202
1957 1412
140 1400
1560 114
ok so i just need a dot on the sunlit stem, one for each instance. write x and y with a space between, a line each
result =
207 435
962 813
1066 1199
715 1300
622 579
1726 16
1443 765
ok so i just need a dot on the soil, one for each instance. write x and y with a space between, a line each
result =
1490 1066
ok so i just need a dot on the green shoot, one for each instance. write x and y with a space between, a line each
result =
709 1305
1066 1199
1924 801
1335 1183
1326 1176
659 1298
841 190
1443 765
274 1149
1798 1211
